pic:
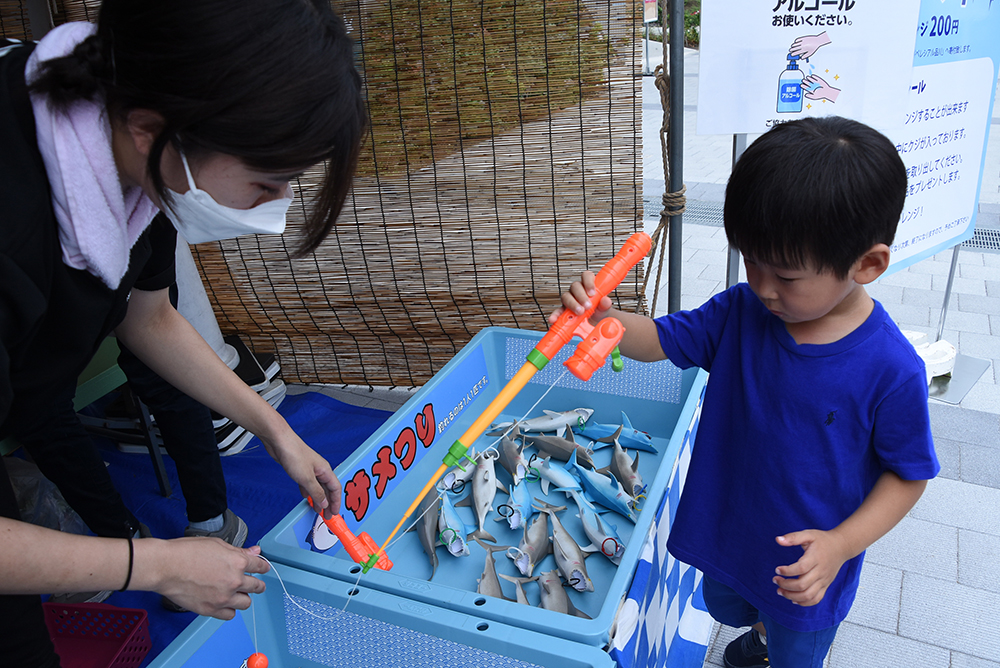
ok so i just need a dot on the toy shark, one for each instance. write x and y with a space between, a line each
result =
512 456
522 598
427 527
534 545
560 447
605 490
626 471
489 583
484 490
628 437
520 506
554 597
559 476
551 421
603 535
456 477
569 557
451 529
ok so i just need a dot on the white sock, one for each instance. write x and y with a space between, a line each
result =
210 525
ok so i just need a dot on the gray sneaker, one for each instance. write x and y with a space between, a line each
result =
94 596
233 531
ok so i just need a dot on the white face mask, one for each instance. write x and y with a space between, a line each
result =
199 218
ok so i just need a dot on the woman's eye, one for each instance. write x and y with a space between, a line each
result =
269 190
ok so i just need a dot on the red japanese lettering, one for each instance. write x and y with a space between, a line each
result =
356 494
424 422
405 448
383 470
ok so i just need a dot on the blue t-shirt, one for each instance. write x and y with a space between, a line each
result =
791 437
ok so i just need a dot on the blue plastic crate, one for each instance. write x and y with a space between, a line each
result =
658 398
309 627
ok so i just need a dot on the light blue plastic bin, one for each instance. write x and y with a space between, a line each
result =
658 398
377 629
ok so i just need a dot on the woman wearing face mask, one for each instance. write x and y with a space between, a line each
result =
203 110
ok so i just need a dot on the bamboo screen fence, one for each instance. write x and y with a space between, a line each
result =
504 158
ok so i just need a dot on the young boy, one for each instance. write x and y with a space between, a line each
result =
815 436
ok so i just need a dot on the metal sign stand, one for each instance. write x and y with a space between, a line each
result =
953 388
733 263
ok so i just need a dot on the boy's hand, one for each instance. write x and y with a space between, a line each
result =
577 299
805 582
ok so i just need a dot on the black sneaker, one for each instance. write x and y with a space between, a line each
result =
747 651
247 367
233 531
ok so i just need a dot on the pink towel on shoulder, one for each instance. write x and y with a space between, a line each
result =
98 222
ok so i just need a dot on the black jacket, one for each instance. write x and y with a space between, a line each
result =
52 317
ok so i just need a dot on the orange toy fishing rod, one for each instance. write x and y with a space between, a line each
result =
590 355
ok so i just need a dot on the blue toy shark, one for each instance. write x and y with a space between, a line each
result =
628 437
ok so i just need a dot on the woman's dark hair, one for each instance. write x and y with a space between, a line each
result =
271 82
819 190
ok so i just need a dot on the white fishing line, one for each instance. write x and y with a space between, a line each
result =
491 446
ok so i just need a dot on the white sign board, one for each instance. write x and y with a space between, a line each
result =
943 133
765 62
650 11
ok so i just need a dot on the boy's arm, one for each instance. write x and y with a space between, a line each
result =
640 342
805 582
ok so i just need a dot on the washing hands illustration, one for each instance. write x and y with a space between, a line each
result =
816 88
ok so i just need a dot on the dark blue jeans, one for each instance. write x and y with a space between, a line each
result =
188 436
66 455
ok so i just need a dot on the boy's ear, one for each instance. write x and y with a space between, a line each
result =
872 264
144 126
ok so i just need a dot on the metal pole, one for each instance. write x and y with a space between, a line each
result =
646 70
39 18
675 152
947 291
733 263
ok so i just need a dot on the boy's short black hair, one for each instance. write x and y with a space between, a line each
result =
818 191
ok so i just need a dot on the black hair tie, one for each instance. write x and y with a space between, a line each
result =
131 560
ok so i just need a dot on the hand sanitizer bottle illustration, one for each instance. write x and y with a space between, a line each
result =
790 87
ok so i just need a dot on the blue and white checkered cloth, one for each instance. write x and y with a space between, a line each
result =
663 620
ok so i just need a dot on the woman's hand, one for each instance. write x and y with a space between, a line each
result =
309 470
205 575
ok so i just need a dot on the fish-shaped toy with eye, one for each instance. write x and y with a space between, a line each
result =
554 474
534 545
484 491
519 506
489 583
603 535
605 490
550 421
561 447
554 597
451 529
569 557
625 433
626 471
512 456
427 526
457 476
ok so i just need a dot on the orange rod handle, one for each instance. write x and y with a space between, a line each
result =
607 279
495 407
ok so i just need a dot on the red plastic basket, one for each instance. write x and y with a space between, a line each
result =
97 635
